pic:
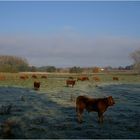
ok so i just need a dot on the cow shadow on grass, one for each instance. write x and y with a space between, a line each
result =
36 116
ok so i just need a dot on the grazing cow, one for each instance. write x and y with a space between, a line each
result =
99 105
44 76
34 76
97 79
82 78
24 77
36 85
70 82
115 78
2 77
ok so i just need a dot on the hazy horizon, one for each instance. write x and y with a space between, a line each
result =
70 33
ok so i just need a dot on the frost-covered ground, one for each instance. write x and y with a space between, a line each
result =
51 113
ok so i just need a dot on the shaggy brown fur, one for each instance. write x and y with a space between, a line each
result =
82 78
44 76
36 85
34 76
99 105
115 78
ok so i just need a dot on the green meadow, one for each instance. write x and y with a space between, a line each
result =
57 81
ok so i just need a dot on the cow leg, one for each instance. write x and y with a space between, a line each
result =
79 114
100 115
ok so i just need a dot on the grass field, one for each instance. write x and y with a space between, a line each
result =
50 111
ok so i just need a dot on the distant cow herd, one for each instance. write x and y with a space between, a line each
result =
70 82
33 76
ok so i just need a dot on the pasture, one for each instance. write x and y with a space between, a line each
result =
50 111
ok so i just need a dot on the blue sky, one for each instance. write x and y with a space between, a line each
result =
74 33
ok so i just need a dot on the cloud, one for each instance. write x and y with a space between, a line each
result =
69 48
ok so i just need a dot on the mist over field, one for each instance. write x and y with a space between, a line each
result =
71 49
65 34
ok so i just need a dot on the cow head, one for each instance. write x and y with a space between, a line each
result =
110 101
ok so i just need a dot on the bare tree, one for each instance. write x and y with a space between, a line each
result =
136 57
13 63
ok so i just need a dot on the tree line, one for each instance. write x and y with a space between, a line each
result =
13 64
19 64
